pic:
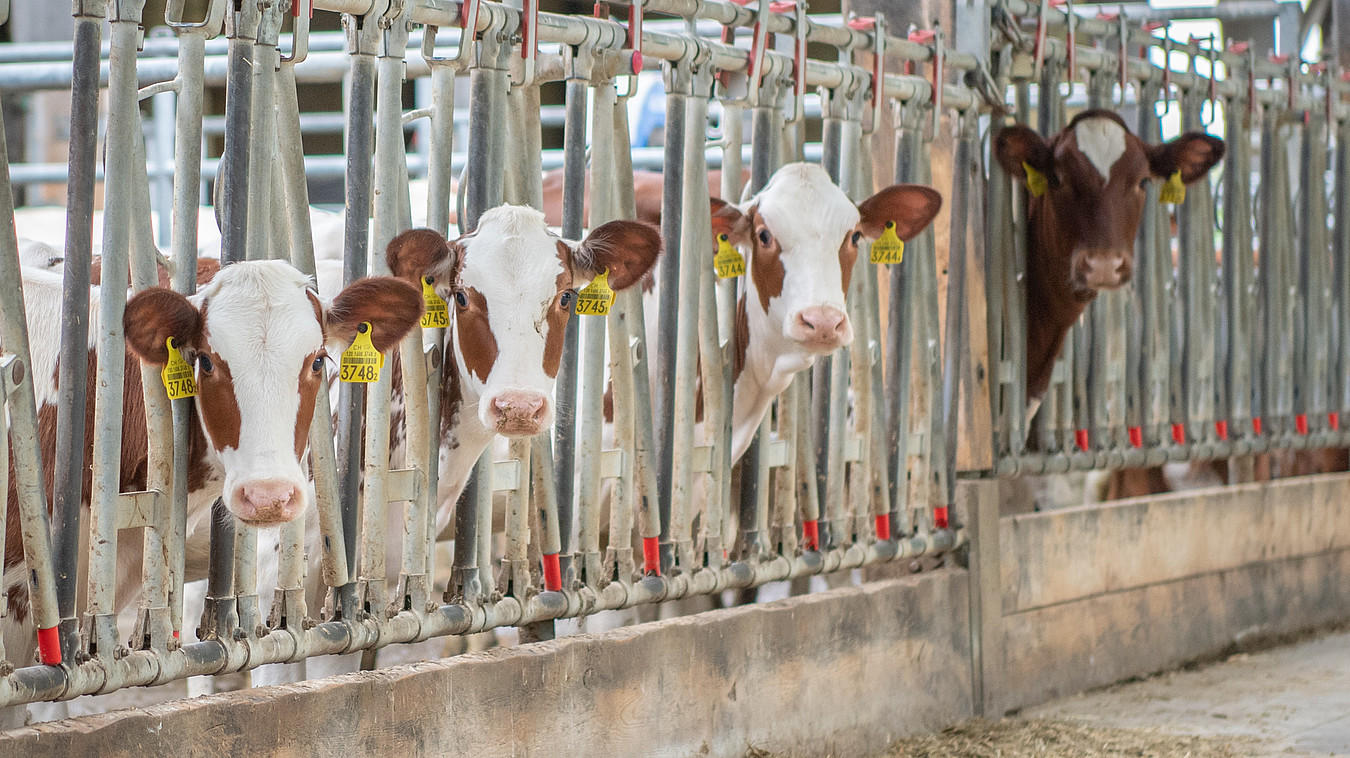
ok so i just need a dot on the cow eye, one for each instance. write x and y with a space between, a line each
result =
565 300
765 238
204 363
317 366
461 299
856 236
1143 183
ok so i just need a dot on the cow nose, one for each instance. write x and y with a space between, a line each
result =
821 323
1106 270
268 501
519 412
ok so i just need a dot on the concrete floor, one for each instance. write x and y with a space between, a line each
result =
1295 700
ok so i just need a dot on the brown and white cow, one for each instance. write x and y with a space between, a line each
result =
802 235
512 285
1081 230
259 336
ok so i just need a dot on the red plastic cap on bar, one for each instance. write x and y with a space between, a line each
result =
1221 429
782 7
922 36
811 534
1238 48
552 573
49 646
175 634
1256 426
1153 26
651 555
637 62
1136 436
940 517
1301 423
884 527
1081 437
1179 434
1334 421
863 23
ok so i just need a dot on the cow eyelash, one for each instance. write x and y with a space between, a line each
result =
1143 183
204 363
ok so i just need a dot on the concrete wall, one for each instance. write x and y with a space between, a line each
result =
840 673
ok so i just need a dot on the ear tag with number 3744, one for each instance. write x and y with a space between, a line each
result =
888 248
728 262
177 374
361 363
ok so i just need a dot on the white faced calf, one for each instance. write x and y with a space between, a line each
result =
802 232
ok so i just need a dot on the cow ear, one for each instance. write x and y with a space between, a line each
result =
154 315
422 252
727 219
627 250
911 206
1193 154
392 306
1017 145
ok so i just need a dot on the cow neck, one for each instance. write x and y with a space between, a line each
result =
763 375
1052 307
463 436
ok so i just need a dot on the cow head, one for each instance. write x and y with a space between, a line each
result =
259 335
1095 173
512 285
803 234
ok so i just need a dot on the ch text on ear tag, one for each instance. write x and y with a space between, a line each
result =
1173 191
177 374
1037 184
596 297
361 363
728 262
888 248
437 315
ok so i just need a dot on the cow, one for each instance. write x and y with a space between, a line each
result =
1086 198
259 336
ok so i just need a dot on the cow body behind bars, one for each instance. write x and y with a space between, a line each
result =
258 335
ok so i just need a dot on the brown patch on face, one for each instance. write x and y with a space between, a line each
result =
848 256
309 390
557 317
741 335
476 341
217 404
767 268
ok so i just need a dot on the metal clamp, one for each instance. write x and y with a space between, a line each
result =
468 17
1038 48
363 31
301 12
212 22
934 36
877 26
754 69
529 42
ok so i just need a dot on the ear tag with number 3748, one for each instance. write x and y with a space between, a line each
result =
888 248
728 262
596 298
177 374
437 315
1174 191
361 363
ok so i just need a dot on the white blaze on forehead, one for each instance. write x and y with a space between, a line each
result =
512 261
810 217
1102 140
262 324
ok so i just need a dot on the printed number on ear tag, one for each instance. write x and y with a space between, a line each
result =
596 298
1173 191
437 315
1037 184
177 374
728 263
888 248
361 363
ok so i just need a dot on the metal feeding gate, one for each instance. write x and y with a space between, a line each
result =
854 465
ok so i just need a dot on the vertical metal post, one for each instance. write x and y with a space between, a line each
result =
68 482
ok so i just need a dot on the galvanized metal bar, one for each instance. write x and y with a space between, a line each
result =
439 169
663 404
1197 272
72 382
1315 283
266 58
1156 289
1341 253
1238 266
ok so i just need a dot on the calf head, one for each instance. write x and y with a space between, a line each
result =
512 284
259 335
1088 184
803 234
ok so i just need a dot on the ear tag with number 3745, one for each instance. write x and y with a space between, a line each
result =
361 363
728 262
177 374
888 248
437 315
596 298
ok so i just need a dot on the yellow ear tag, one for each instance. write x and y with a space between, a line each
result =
595 298
1036 182
361 363
1173 191
888 248
437 315
177 374
728 262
